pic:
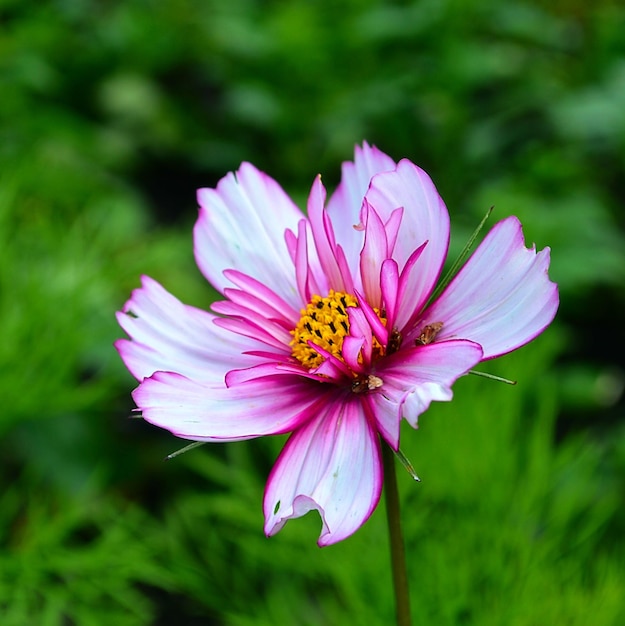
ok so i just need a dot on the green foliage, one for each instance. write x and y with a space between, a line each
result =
74 561
65 247
113 113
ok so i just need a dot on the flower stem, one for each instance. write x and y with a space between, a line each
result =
398 555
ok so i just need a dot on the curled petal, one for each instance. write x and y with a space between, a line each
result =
331 367
358 345
345 203
502 297
374 252
255 318
191 410
256 332
323 235
274 367
389 287
308 272
425 218
408 307
378 329
331 464
331 257
241 224
168 335
264 298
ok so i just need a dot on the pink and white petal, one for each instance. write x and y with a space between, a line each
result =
331 464
385 414
254 318
345 203
414 377
309 274
375 251
201 412
407 307
392 225
425 218
389 287
262 293
419 399
350 280
502 298
331 367
277 366
248 302
166 334
359 342
259 332
353 346
378 329
323 236
241 225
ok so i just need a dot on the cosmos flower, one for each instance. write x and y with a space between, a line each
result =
325 330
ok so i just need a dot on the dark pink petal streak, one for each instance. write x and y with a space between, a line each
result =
267 406
331 464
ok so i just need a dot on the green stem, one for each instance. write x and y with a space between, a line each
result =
398 555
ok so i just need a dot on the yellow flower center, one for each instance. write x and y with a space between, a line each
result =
325 322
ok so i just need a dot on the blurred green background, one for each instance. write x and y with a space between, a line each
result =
113 113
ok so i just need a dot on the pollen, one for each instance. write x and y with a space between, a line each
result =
325 323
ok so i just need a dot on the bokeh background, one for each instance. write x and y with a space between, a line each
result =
113 113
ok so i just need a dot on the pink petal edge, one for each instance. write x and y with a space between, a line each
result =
502 298
166 334
241 225
331 464
191 410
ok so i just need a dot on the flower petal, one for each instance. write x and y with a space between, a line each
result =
389 287
264 299
241 225
274 366
386 415
374 252
259 331
308 272
345 203
358 344
425 218
331 257
168 335
414 377
201 412
331 464
255 318
502 297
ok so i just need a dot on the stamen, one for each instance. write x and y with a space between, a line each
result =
325 323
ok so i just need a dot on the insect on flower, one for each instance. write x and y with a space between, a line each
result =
321 333
428 334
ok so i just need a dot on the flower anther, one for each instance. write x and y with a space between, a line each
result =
322 329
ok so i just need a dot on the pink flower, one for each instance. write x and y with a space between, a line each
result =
325 331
